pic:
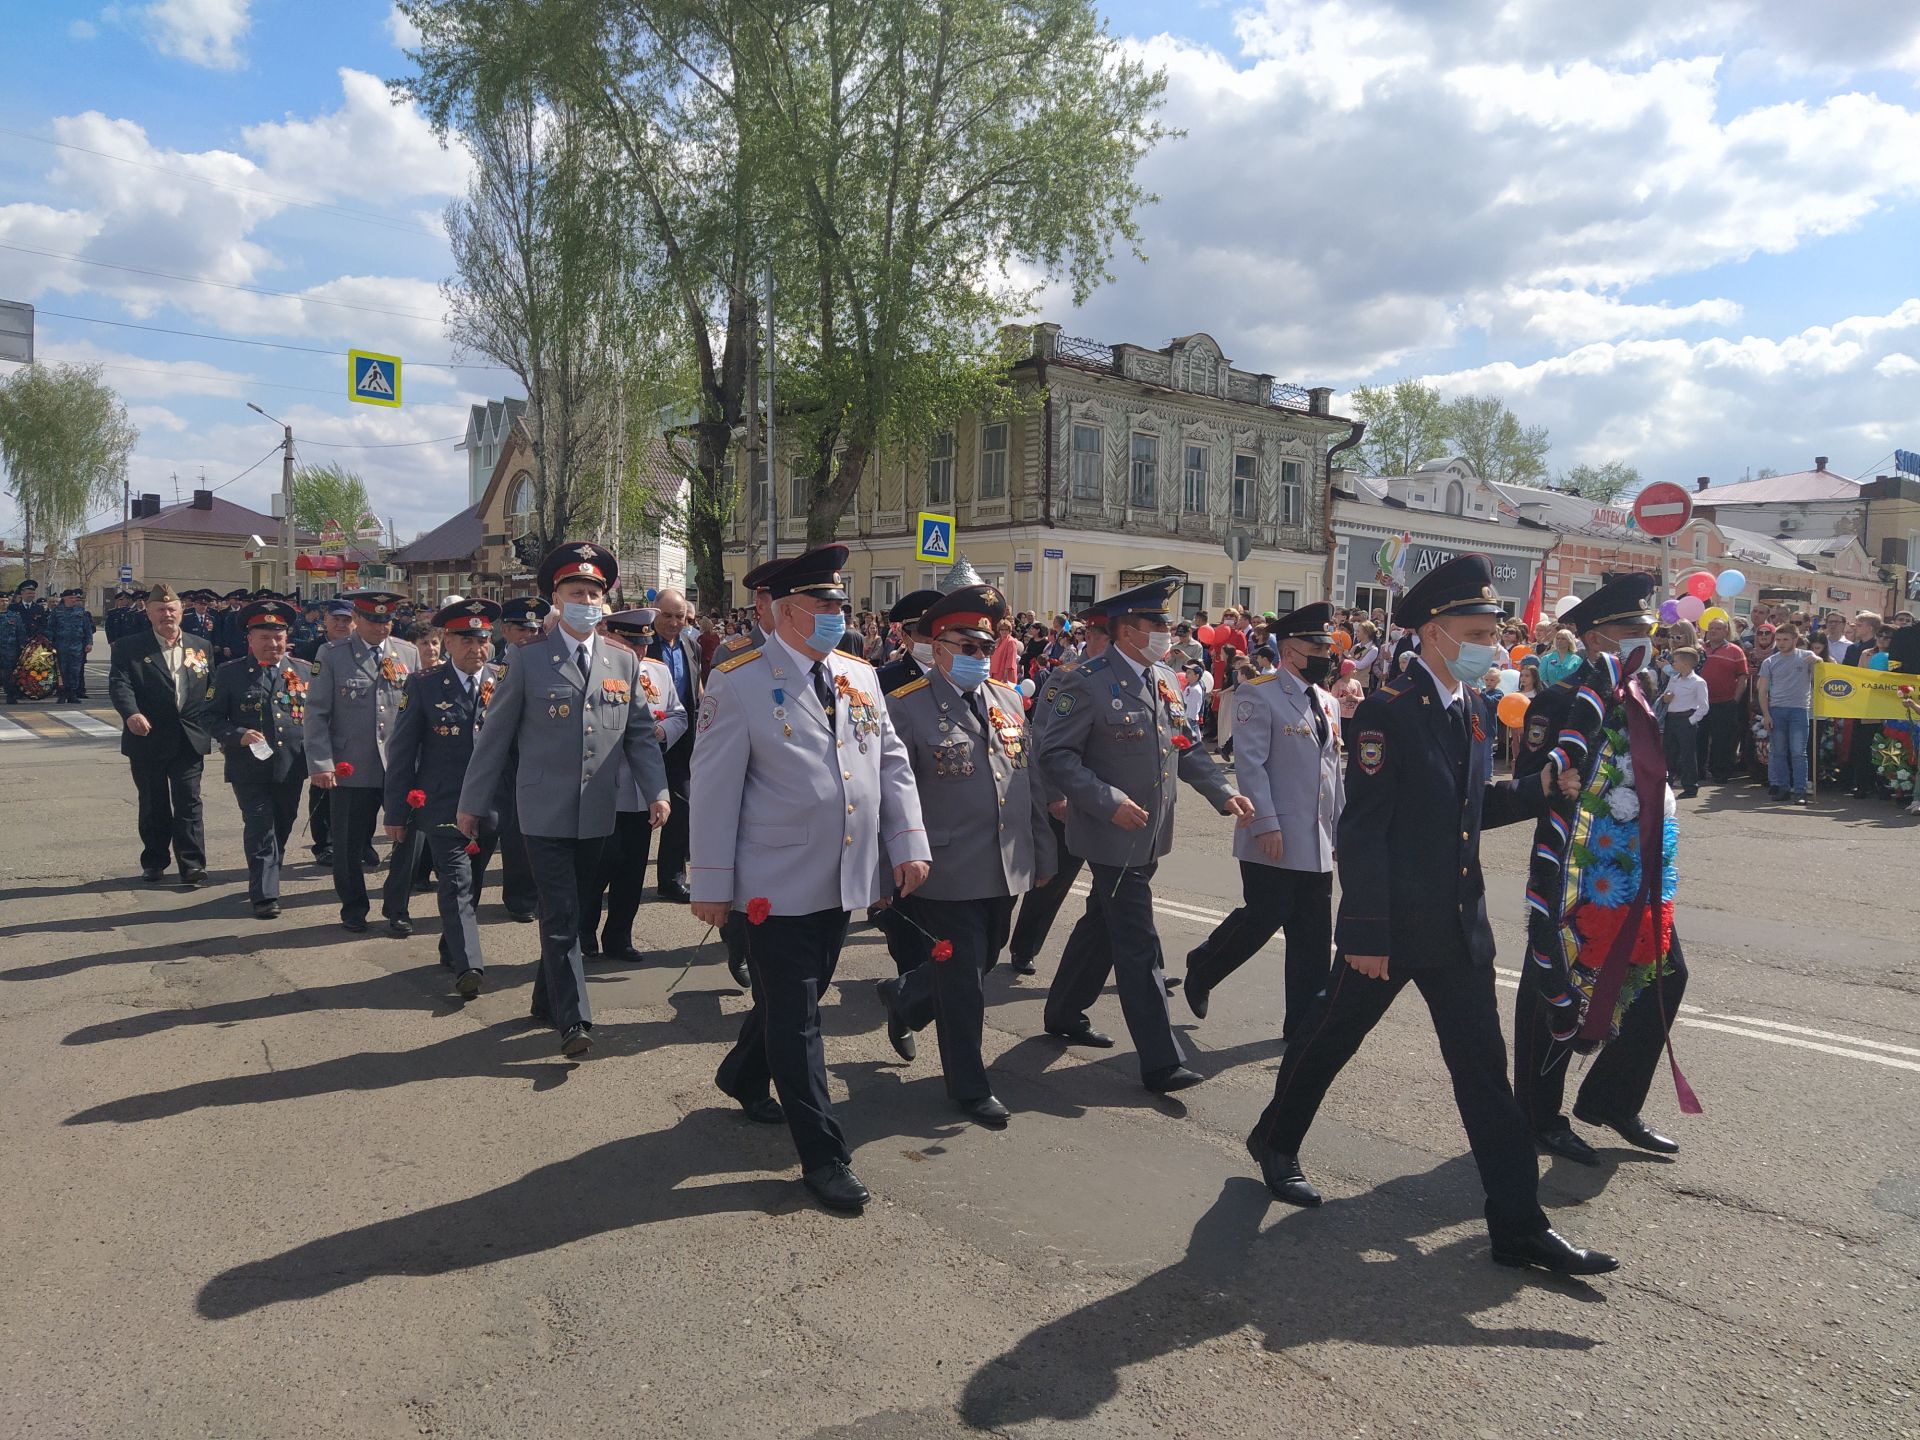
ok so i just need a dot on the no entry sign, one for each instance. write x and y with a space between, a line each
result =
1662 509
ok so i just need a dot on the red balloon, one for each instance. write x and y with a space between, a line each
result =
1701 584
1204 635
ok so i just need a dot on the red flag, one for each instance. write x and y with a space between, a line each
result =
1530 616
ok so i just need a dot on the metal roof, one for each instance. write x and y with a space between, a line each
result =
454 539
1797 488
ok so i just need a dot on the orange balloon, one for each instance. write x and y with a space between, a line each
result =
1513 710
1519 653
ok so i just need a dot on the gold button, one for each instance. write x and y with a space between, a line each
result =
1003 800
1463 871
839 744
1463 835
849 839
1003 826
849 809
846 774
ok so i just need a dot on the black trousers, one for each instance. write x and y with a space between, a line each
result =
355 813
73 674
622 880
461 878
906 947
170 815
1620 1076
1119 936
951 993
1718 749
791 959
1681 739
673 835
319 817
1466 1019
1300 902
1861 775
517 890
267 816
1038 909
562 868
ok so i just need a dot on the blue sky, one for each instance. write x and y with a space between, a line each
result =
1679 236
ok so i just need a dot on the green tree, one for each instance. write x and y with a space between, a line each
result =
323 493
1490 436
1602 484
1406 424
64 442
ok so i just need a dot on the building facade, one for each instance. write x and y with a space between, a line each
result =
1116 462
203 542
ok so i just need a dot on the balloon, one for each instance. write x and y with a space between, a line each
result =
1564 604
1205 635
1690 607
1732 582
1669 611
1519 652
1509 681
1026 687
1716 615
1699 583
1513 711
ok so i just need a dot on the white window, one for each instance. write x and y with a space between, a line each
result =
520 499
993 462
1285 600
799 494
1143 472
1584 585
1456 497
1700 545
940 469
886 590
1292 473
1193 493
1086 462
1243 597
1082 591
1246 485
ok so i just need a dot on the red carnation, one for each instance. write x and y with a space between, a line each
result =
659 714
1183 742
344 769
416 799
472 847
758 909
943 949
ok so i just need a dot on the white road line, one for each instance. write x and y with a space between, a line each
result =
84 723
1689 1014
11 731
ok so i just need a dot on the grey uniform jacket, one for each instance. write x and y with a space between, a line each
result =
784 806
985 810
433 743
669 717
571 737
1110 737
1297 783
354 706
1037 725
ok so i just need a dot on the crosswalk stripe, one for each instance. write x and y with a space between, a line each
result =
40 724
11 731
83 722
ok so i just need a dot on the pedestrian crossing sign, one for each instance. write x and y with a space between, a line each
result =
936 538
373 379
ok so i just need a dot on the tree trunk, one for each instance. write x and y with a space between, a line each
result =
829 497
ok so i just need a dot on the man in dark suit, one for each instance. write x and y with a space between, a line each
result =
1413 908
159 681
674 646
520 624
260 705
444 711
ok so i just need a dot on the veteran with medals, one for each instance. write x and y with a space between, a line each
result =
257 715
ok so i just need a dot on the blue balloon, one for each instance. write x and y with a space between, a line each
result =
653 594
1730 583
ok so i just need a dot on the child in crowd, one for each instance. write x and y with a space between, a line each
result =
1685 705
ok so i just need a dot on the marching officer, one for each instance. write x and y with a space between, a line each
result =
622 880
733 932
1286 745
444 711
358 684
13 639
308 633
966 737
159 681
260 704
1413 908
673 644
802 793
198 620
114 622
228 639
336 619
70 628
573 705
916 650
1616 619
1043 902
521 621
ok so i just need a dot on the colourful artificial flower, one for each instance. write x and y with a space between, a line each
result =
1609 839
1606 885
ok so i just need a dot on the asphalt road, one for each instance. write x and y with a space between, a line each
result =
268 1180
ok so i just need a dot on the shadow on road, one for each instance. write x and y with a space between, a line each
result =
248 943
1351 1271
213 905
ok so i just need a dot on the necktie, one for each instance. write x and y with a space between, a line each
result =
973 703
823 688
582 664
1319 716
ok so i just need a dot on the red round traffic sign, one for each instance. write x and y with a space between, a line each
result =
1662 509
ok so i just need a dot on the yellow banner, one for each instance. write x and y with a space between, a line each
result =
1850 692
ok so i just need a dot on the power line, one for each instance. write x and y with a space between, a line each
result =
249 470
386 222
237 340
223 284
220 379
395 445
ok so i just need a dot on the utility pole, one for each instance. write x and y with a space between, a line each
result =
750 438
773 499
126 519
286 491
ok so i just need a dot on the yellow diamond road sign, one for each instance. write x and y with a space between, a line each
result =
373 379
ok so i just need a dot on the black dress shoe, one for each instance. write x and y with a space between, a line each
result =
358 927
1083 1034
152 873
764 1111
468 984
624 954
1021 965
193 879
267 910
1170 1078
1774 792
737 967
1198 997
899 1033
1563 1142
323 858
675 893
520 917
577 1041
1284 1178
400 926
370 857
986 1111
423 887
836 1187
1691 792
1630 1128
1549 1250
589 948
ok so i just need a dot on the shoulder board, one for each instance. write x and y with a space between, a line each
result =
1394 689
727 666
1266 679
734 642
1003 685
854 659
918 683
1098 663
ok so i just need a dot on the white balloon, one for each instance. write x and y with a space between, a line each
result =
1564 604
1509 681
1026 687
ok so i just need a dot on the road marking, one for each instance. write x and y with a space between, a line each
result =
11 731
1775 1032
83 722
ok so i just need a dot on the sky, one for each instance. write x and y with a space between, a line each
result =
1681 236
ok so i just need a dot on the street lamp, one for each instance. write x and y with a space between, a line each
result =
286 491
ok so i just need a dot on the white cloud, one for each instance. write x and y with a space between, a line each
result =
201 32
370 149
81 30
402 31
1562 316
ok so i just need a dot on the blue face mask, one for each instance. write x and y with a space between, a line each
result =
1470 663
827 630
581 618
969 672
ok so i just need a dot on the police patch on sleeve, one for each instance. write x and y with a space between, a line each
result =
1536 732
1063 705
1243 711
709 707
1371 750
